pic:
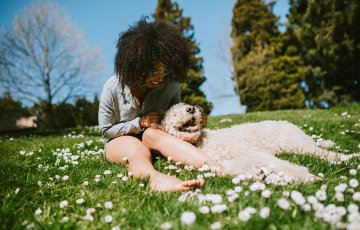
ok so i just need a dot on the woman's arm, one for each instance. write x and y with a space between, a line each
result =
109 128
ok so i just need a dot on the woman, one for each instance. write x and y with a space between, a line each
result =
151 59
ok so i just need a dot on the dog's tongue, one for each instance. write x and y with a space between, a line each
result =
191 128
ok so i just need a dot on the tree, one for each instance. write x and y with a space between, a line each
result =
87 112
11 108
253 24
44 58
329 35
268 70
270 81
190 87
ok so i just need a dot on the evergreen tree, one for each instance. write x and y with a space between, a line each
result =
190 87
268 69
253 24
271 81
329 35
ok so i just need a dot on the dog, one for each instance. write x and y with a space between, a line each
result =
249 148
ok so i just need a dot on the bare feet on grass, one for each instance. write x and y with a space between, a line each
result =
165 183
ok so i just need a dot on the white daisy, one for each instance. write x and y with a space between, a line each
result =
65 219
306 207
204 209
216 225
353 172
283 203
108 219
266 193
38 211
238 189
244 216
321 195
80 201
166 226
90 210
353 183
356 196
108 205
63 204
339 196
297 197
340 188
218 208
353 208
188 218
264 212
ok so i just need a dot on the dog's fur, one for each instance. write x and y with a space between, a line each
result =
247 147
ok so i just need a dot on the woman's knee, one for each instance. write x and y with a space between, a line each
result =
126 147
151 136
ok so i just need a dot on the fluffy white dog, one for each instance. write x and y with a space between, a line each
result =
249 147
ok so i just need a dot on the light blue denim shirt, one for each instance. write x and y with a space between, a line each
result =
119 114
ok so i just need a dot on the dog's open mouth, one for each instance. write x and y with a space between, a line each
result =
189 126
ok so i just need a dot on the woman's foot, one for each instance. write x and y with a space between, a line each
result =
165 183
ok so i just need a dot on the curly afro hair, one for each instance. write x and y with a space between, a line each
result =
147 43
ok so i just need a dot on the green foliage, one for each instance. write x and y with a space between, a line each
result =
11 108
87 112
190 87
268 69
81 113
329 39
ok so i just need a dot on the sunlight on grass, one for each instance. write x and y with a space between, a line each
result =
61 179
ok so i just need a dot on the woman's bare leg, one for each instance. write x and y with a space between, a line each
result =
139 160
178 150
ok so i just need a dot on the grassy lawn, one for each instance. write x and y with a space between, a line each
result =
60 180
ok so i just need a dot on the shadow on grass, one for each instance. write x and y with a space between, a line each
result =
50 132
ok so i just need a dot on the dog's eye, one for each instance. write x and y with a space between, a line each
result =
200 108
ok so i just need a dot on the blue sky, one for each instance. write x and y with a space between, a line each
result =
102 21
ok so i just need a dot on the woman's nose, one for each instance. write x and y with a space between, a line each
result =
190 109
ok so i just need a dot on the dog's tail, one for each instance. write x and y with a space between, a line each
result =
334 157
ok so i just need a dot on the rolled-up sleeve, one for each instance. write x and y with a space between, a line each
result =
109 128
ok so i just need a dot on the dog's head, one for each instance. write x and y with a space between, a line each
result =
183 121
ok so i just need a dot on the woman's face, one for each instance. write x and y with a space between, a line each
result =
156 77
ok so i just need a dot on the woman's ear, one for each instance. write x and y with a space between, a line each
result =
156 126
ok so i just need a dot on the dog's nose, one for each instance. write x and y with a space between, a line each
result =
190 109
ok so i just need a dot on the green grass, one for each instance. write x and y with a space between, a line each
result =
135 207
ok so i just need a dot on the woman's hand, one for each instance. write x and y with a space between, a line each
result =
150 118
203 121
